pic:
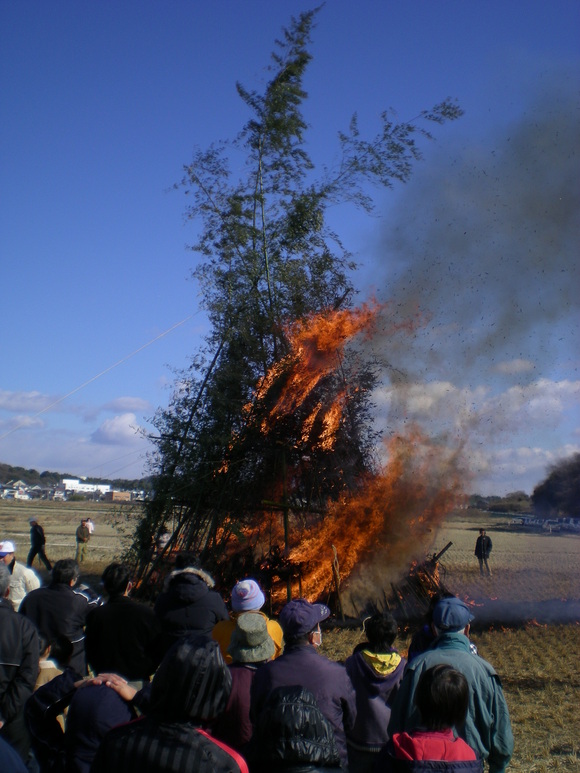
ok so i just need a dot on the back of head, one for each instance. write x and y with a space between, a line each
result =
192 682
442 697
291 730
61 651
4 579
250 641
451 615
187 561
381 631
247 596
65 571
299 617
115 579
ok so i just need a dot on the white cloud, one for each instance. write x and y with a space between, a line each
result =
514 367
32 402
128 405
120 430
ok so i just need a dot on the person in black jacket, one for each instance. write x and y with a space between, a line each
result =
122 636
19 653
187 604
293 735
37 543
189 690
482 550
61 609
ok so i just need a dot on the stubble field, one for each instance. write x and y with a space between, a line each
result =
527 614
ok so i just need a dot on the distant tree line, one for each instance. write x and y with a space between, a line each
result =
558 496
49 479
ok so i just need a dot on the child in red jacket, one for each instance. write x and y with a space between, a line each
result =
442 698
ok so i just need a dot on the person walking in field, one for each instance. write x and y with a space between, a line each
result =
482 550
83 536
37 543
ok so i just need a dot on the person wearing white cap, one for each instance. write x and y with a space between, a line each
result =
487 727
22 579
247 596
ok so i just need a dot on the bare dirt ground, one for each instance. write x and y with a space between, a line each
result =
527 614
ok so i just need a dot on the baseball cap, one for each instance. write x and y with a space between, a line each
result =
299 617
451 614
6 548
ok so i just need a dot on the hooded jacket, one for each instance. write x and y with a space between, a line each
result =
375 679
188 605
292 734
190 688
487 727
424 751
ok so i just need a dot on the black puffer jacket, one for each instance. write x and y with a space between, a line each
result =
190 688
187 605
292 735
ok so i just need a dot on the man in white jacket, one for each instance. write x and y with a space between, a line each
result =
22 579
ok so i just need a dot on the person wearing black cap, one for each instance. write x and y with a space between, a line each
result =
487 727
300 665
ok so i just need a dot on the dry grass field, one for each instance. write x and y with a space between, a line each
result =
527 614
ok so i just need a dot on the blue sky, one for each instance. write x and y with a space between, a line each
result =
103 103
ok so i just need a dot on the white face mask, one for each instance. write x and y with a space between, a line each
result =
316 638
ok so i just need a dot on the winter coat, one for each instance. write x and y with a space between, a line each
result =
189 689
60 610
424 751
22 581
375 679
19 653
187 605
43 708
292 734
122 637
222 633
483 547
301 665
487 727
37 538
93 711
234 726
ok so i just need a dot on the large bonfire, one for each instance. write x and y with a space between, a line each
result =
387 517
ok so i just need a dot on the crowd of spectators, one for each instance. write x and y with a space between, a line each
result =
88 685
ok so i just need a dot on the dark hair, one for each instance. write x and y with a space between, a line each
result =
61 650
65 570
187 561
4 578
381 631
442 697
115 579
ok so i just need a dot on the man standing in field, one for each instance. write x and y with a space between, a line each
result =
83 536
482 550
487 727
22 579
37 543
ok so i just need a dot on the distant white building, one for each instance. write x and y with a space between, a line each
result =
75 486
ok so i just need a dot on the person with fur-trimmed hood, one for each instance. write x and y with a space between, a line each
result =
188 604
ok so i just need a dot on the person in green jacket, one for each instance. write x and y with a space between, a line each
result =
487 727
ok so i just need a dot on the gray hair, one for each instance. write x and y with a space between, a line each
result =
4 579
